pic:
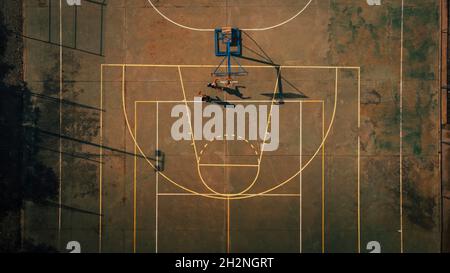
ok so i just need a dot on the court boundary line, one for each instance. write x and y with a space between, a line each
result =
100 229
359 165
337 68
134 187
233 66
157 178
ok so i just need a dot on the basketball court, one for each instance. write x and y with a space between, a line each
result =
350 171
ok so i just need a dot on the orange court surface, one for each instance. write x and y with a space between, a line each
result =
351 85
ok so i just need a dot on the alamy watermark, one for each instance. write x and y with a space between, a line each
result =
73 2
235 127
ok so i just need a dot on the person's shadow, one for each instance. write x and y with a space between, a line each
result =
223 103
235 92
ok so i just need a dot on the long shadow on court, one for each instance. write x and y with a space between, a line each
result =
236 91
266 59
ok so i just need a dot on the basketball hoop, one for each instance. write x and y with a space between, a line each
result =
228 44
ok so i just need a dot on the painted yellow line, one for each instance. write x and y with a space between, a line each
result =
359 161
245 194
188 113
301 178
192 133
359 195
269 118
220 196
134 182
234 66
225 164
263 143
228 227
157 183
359 98
232 101
229 165
323 177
